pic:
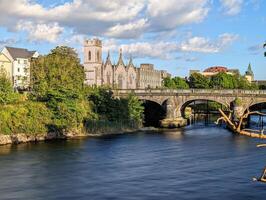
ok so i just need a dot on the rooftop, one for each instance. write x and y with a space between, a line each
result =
20 52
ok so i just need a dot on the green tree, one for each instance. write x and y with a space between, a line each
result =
197 80
169 83
7 94
135 108
175 83
57 79
112 109
223 81
59 70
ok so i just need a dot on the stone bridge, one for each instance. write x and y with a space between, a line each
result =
176 100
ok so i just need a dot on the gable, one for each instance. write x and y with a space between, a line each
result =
4 58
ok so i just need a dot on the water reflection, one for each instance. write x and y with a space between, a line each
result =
203 163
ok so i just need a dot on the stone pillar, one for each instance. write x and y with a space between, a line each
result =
173 115
170 108
238 109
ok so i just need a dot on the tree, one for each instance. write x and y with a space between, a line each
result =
197 80
135 108
175 83
223 81
57 79
112 109
7 94
59 70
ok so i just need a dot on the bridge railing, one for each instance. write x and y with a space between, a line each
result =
190 91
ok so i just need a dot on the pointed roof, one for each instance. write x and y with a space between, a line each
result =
120 60
108 59
20 52
249 71
130 62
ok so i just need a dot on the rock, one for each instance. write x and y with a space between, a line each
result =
173 123
5 139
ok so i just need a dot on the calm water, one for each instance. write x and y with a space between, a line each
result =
199 163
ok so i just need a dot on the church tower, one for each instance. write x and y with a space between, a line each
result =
249 74
93 61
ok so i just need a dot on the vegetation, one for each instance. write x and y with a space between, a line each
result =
175 83
199 81
59 101
219 81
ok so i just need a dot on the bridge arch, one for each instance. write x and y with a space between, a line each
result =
185 104
153 112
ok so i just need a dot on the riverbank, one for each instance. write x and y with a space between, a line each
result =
25 138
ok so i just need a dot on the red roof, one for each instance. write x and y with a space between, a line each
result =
216 69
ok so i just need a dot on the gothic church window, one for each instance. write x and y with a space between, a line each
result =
89 55
98 56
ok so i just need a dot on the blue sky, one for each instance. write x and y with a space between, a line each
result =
176 35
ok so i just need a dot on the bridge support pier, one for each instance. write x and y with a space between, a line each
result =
173 116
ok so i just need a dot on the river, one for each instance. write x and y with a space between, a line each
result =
190 163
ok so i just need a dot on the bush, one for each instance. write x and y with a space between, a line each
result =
28 117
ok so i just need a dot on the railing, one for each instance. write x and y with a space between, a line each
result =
235 92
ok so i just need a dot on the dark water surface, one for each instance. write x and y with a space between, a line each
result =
199 163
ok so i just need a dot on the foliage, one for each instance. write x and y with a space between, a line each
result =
28 117
109 108
223 81
135 108
7 94
59 69
197 80
237 101
175 83
57 79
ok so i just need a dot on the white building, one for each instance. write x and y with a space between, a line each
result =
119 75
20 59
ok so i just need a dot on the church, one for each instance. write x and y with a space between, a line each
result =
118 75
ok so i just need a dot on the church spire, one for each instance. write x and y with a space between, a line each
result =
120 60
130 61
108 59
249 71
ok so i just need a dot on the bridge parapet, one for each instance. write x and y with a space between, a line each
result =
174 92
176 100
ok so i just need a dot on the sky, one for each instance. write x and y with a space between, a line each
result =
174 35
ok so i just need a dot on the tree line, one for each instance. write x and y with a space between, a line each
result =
59 101
219 81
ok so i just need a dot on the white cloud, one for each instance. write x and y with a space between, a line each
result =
130 30
40 32
232 7
116 18
166 50
162 50
172 13
205 45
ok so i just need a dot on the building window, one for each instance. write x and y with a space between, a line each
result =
108 78
18 61
18 69
25 62
89 56
98 56
120 81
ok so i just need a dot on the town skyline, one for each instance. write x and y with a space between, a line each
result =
192 39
